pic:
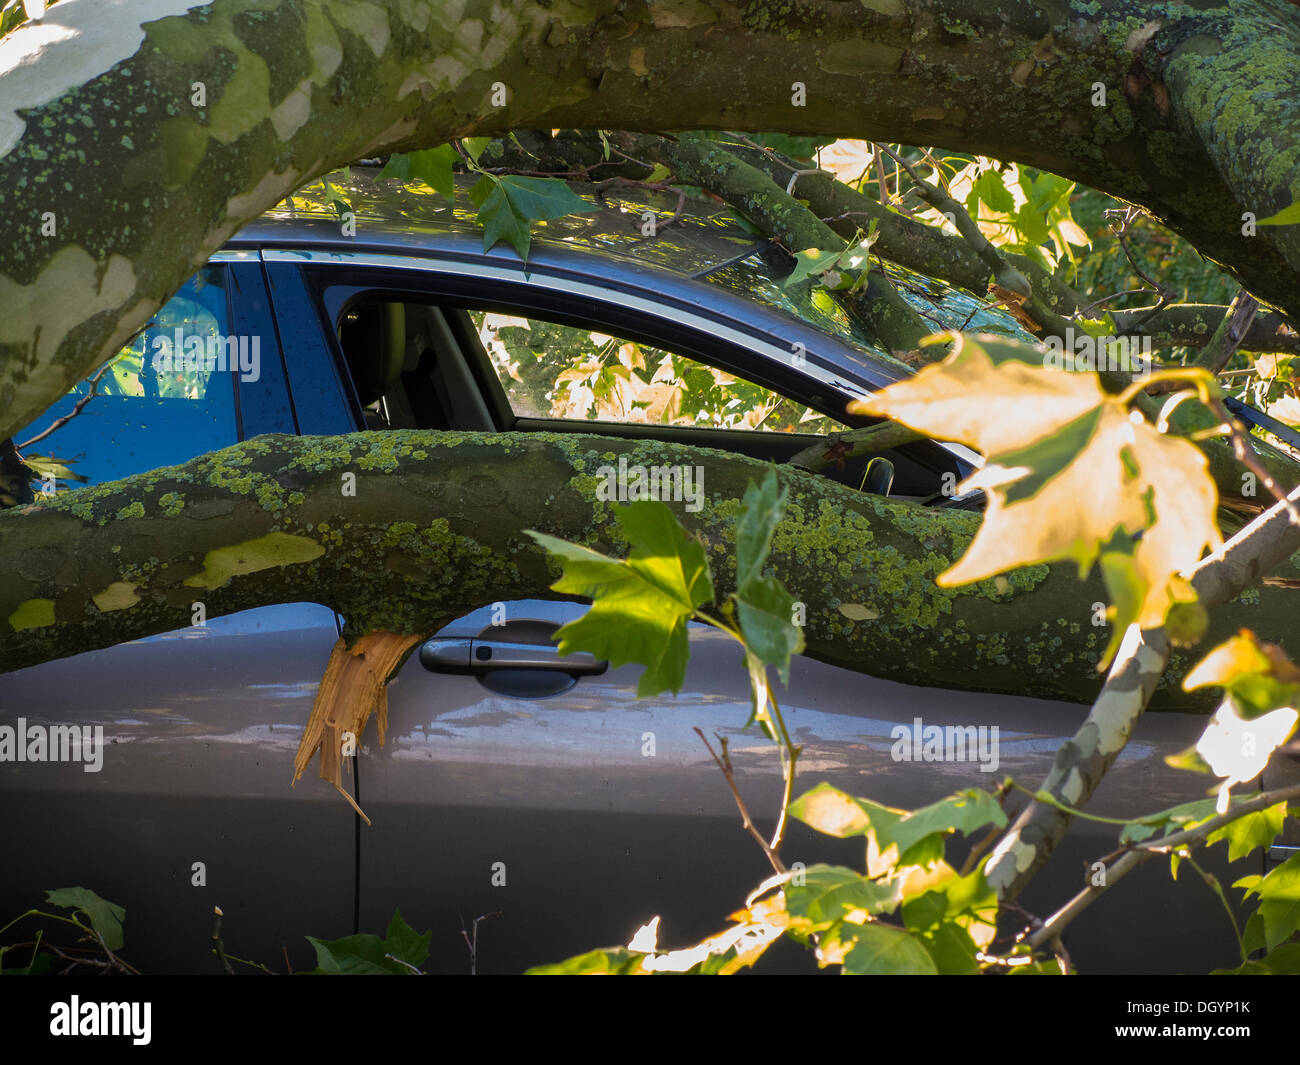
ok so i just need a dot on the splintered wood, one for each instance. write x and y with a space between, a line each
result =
355 686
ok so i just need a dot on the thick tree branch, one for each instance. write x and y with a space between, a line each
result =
308 85
1083 761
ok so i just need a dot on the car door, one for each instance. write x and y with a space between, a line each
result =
189 806
566 808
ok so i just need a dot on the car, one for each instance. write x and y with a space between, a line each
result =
517 788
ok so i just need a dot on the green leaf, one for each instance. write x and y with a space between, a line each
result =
105 917
639 604
876 949
812 263
367 955
658 174
432 166
963 812
475 145
508 205
991 188
1279 906
1176 818
830 893
766 610
1253 830
761 511
402 941
1288 216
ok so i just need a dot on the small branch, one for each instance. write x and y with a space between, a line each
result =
472 941
217 945
1139 853
77 408
1232 330
724 763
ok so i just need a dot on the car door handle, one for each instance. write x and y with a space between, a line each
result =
446 654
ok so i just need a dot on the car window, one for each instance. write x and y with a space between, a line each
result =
567 372
166 397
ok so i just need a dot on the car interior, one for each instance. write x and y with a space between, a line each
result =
421 365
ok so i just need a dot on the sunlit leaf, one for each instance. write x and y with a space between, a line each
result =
1069 471
639 604
508 205
1250 831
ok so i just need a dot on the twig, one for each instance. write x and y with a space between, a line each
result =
1140 852
472 943
59 423
724 763
217 945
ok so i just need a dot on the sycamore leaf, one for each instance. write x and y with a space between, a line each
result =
875 949
824 894
508 205
105 917
432 166
991 188
1071 473
1259 677
639 604
1251 831
763 605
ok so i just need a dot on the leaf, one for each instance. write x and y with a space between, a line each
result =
658 174
1175 818
367 955
836 813
1279 905
1288 216
432 166
105 917
877 949
1253 830
1258 676
761 511
811 263
964 812
639 604
992 190
475 145
508 205
830 893
1237 749
1069 472
954 919
766 610
402 941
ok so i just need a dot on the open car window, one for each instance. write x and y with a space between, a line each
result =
572 373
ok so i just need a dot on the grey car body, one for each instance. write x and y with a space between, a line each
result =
569 810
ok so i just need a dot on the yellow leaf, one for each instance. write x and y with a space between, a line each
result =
1070 471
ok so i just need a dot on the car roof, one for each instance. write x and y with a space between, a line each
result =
408 216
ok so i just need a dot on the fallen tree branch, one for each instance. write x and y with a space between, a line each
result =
1083 760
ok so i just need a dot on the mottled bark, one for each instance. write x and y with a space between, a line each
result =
101 132
435 529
